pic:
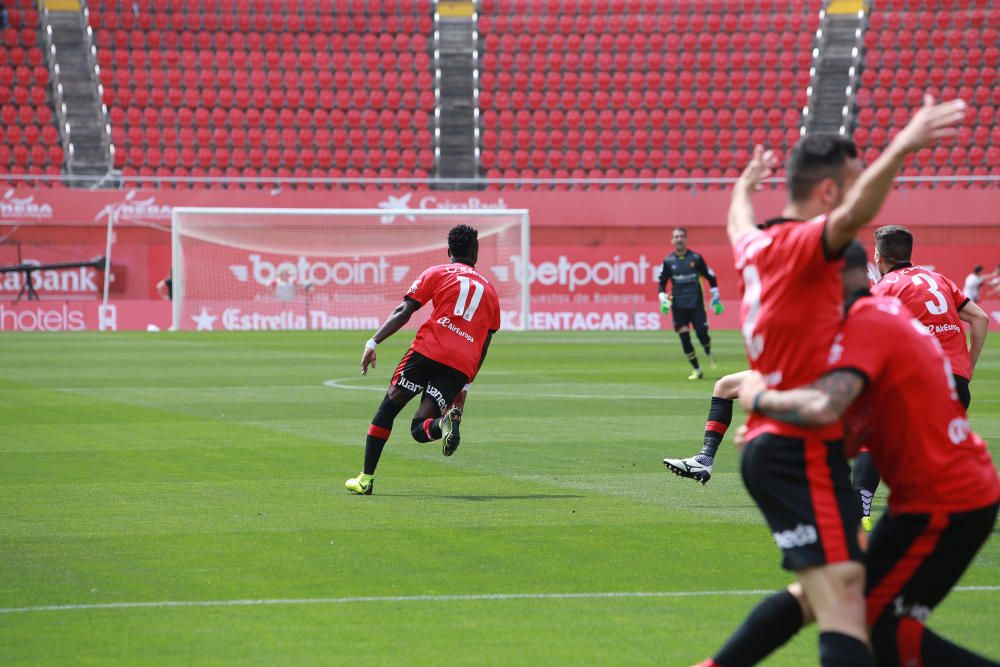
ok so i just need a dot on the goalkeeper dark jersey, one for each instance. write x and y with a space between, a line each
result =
685 272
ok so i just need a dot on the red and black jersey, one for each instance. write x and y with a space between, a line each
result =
792 309
909 415
935 301
466 309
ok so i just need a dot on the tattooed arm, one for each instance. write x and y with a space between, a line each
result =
819 404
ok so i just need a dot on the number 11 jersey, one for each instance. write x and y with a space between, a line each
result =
466 309
935 301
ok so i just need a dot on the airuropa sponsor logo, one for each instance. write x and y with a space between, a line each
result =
800 536
434 202
574 275
320 273
943 328
130 208
12 208
446 323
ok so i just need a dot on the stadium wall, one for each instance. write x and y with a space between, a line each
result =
595 255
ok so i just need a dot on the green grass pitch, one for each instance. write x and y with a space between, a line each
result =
187 468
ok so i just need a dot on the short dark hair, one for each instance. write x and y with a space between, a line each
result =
978 268
683 230
462 241
894 243
855 256
814 158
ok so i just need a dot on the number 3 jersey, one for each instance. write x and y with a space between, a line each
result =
792 308
466 309
935 301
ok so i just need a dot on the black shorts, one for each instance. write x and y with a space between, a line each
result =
913 560
962 388
803 487
418 374
694 317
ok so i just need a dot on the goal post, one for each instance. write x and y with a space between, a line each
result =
337 268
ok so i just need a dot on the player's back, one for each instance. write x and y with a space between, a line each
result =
792 308
935 301
909 415
466 309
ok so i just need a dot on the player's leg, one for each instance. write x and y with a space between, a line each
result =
437 417
682 325
866 479
914 560
803 488
405 384
962 388
720 417
771 623
700 324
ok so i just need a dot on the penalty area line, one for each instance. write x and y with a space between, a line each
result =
475 597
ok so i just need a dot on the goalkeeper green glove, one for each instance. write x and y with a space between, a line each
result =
717 301
664 303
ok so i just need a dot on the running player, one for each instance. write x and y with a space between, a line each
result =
685 268
940 306
944 488
792 308
447 352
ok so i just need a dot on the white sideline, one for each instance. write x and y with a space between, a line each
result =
409 598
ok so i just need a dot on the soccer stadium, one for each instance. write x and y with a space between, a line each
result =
237 237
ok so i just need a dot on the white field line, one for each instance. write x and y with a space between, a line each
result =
412 598
338 383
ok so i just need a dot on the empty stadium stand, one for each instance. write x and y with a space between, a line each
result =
949 48
263 88
627 88
29 137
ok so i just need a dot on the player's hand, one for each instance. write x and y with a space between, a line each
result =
459 401
761 166
717 301
931 123
367 359
664 302
752 385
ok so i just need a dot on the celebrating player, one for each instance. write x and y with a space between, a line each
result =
821 180
944 488
685 268
940 306
447 352
792 307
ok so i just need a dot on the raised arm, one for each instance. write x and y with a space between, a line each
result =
979 323
399 316
822 403
863 201
741 215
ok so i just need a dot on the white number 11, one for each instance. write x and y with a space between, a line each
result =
463 298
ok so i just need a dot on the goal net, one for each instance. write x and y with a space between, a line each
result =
258 268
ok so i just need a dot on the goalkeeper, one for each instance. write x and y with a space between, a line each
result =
685 268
